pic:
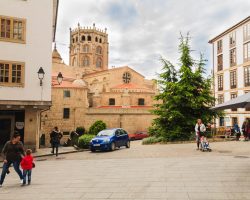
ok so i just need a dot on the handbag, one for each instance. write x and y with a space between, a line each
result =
33 165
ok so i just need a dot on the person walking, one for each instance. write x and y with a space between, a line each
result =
244 129
199 131
13 151
236 129
55 137
27 165
248 130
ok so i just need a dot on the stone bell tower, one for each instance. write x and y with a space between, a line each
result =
89 48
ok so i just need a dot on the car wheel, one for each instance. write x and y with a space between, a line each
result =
112 146
128 144
132 139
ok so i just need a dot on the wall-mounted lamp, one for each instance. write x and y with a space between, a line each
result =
59 78
41 75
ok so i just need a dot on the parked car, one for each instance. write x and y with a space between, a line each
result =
109 139
138 135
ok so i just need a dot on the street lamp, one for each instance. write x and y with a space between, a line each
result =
41 75
59 78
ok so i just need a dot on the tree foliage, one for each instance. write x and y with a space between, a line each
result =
97 127
185 95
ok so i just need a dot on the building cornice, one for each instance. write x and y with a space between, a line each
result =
230 29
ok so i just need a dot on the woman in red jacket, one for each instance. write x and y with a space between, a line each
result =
27 165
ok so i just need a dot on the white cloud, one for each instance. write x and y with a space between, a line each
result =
142 30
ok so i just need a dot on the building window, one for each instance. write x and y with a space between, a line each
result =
100 40
126 77
232 39
11 74
96 39
247 52
219 46
220 62
111 101
99 63
141 102
232 57
85 48
89 38
99 50
247 76
74 62
66 93
66 113
12 29
246 31
233 79
222 121
220 98
85 61
65 133
76 39
233 95
220 82
83 38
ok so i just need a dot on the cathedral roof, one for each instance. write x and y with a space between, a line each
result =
131 87
68 82
56 57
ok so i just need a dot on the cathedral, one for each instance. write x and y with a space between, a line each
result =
92 91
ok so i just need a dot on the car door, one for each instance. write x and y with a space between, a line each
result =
124 137
118 138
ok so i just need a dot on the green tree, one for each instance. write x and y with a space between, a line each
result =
97 127
185 95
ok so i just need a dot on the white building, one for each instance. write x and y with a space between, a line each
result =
27 30
231 66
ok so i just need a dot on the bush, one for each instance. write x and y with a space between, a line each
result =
84 140
97 127
152 140
80 130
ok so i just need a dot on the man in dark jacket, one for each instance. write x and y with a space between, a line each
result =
55 137
12 152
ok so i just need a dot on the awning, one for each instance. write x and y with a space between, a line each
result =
242 101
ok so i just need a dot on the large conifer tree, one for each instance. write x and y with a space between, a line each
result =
185 95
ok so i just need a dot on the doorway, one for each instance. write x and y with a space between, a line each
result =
6 130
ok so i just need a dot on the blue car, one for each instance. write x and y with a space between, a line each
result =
109 139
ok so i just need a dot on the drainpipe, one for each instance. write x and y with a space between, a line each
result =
214 132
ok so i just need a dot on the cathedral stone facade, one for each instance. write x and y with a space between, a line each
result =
90 91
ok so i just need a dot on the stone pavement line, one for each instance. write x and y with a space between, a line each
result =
86 176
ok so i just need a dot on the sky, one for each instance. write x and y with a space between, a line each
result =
142 31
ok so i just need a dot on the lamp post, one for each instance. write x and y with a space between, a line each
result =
41 75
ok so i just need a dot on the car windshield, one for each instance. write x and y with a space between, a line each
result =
106 133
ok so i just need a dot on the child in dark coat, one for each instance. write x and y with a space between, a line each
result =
27 165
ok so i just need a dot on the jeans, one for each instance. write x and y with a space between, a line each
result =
55 146
6 166
27 173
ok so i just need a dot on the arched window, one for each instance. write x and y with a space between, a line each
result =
76 39
73 40
83 38
74 62
89 38
99 50
100 40
85 48
96 39
99 63
75 50
85 62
